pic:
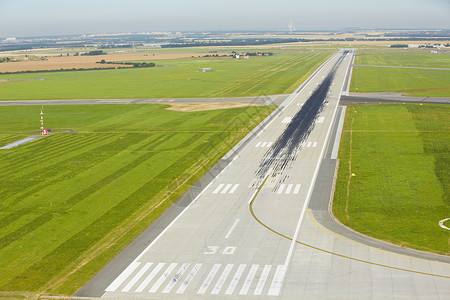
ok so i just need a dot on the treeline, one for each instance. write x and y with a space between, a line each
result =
134 64
59 70
237 42
94 52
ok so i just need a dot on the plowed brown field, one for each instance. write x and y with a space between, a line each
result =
86 62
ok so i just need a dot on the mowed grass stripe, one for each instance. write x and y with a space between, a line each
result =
49 147
36 174
107 154
25 229
128 178
8 138
162 172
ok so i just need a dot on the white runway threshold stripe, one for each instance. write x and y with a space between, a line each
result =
233 278
122 277
227 188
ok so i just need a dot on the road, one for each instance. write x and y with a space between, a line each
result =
251 230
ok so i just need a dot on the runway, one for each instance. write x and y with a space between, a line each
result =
250 230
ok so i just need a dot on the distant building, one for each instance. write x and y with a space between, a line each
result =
291 26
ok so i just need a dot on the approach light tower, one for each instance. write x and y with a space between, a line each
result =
43 131
42 120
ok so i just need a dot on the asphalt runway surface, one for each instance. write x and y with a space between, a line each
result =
250 227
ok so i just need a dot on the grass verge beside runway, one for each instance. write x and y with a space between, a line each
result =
181 78
393 181
402 57
412 82
71 201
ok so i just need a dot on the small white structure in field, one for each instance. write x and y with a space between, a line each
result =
207 70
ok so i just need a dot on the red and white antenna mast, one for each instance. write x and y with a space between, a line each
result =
42 120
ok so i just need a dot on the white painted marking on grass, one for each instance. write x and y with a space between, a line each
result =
218 188
122 277
235 279
137 277
208 279
286 120
163 277
226 188
320 120
232 228
262 280
258 144
222 279
289 188
248 280
189 278
149 277
277 281
234 188
175 278
297 188
281 188
441 223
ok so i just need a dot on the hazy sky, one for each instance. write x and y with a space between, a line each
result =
54 17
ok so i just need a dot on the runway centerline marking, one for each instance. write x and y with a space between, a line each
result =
232 228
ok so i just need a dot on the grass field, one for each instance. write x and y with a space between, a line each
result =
256 76
71 201
401 57
393 180
411 82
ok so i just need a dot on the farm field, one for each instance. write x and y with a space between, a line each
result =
256 76
53 62
411 82
393 182
71 201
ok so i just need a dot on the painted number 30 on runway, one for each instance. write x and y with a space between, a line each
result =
215 249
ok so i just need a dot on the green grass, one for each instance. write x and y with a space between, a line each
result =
411 82
399 155
256 76
71 201
401 57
